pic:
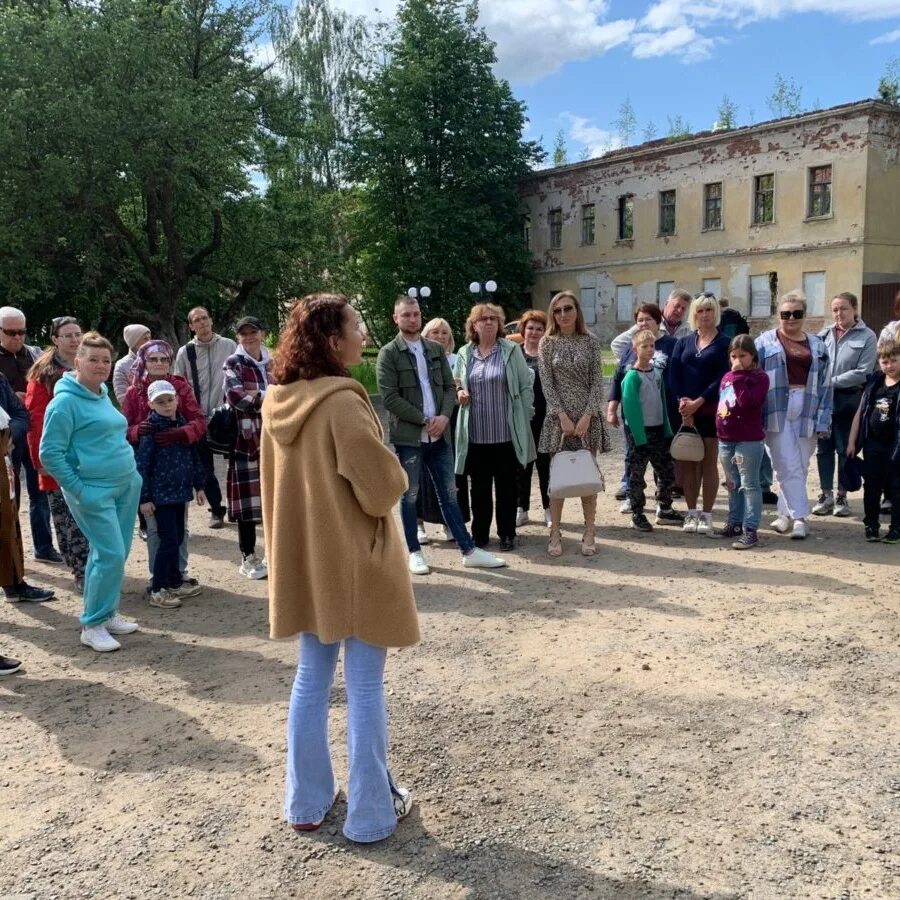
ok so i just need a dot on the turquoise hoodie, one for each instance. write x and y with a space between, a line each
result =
84 438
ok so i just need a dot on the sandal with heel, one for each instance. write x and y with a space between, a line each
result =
587 542
554 548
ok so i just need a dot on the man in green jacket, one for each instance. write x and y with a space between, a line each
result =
419 393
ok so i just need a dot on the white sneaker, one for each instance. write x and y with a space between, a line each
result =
521 517
422 535
799 531
448 534
547 519
120 625
99 639
417 564
782 525
626 506
704 525
253 567
481 559
691 522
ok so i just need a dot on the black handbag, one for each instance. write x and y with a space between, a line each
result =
222 430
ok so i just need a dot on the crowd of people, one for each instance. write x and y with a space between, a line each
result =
694 394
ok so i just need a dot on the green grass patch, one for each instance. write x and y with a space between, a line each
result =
364 373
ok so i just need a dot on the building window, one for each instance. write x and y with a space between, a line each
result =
555 219
713 286
624 303
819 191
814 291
712 205
625 231
760 297
587 223
763 199
663 289
667 212
526 231
588 301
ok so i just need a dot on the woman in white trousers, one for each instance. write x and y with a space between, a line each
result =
798 408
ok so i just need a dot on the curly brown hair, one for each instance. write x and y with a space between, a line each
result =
532 315
304 350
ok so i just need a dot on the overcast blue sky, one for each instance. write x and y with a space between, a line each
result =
573 62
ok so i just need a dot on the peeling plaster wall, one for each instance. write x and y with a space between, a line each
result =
862 144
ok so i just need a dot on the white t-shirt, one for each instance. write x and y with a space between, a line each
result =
429 409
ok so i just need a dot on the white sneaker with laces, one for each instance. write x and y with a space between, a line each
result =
403 803
626 506
98 638
254 568
417 564
118 624
481 559
841 507
521 517
799 531
422 535
704 525
782 525
185 590
690 523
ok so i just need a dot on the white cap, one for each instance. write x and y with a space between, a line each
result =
158 388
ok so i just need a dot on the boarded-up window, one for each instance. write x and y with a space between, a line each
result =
587 223
819 191
555 219
663 289
667 212
624 303
526 231
588 300
625 230
814 288
712 205
760 297
713 286
763 199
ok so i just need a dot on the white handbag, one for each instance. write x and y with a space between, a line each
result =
574 473
687 445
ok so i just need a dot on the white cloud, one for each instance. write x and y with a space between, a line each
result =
888 38
596 140
682 40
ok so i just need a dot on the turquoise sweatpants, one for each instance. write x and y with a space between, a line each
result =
106 514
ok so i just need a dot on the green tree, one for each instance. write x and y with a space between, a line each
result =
560 150
726 116
678 128
439 153
650 131
626 122
785 97
889 83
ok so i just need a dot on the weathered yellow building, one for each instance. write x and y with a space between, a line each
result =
810 202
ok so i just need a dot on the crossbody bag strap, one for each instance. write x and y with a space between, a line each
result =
195 377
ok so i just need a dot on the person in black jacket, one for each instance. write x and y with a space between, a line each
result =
731 322
173 474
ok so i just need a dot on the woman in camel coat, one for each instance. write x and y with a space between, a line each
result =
336 562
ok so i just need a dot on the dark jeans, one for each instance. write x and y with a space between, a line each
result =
492 468
655 452
212 489
246 537
836 442
882 476
436 458
38 507
170 529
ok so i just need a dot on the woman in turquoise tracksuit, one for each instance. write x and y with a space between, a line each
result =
84 448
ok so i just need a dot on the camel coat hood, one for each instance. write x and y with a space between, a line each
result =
337 561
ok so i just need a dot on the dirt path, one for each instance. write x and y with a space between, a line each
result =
671 719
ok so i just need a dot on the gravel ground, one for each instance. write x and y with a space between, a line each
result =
670 719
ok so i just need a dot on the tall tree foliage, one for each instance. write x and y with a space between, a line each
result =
439 153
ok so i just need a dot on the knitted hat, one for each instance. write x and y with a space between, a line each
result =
133 333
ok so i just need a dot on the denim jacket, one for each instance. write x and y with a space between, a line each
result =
852 359
817 395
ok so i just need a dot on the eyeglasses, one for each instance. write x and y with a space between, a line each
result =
563 309
14 332
157 359
786 314
486 319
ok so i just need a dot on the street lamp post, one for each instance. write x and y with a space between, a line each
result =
419 293
483 287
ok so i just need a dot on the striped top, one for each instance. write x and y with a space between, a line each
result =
488 423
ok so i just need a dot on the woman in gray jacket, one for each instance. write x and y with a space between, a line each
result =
851 359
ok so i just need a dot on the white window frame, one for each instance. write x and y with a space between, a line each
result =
624 313
814 285
715 289
663 289
757 308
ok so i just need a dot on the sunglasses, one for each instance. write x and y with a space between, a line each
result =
563 309
14 332
786 314
157 359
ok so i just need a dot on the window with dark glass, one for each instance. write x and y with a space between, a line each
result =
625 231
555 219
763 199
526 231
667 212
712 205
587 223
819 191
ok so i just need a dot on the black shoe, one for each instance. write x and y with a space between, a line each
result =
873 533
507 544
892 537
26 592
216 521
640 522
677 491
622 492
79 584
8 665
769 498
51 556
191 582
669 516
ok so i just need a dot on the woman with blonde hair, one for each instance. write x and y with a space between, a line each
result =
698 363
571 370
493 436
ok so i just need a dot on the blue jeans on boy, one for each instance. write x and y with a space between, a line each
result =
153 546
437 458
741 461
168 519
310 784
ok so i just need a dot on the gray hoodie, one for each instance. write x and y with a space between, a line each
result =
211 358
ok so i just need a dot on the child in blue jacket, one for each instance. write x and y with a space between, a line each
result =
172 475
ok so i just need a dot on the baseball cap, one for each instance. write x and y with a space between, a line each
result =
249 322
159 388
